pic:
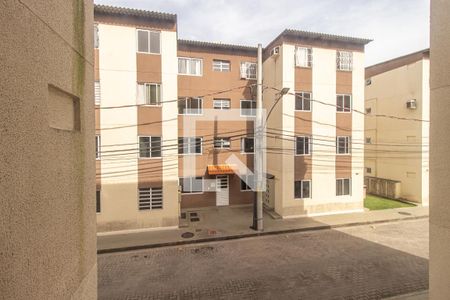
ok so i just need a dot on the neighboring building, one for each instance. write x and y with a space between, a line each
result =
150 86
397 149
47 171
439 154
320 170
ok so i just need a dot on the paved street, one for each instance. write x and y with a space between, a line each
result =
364 262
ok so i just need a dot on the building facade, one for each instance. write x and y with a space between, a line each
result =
397 149
176 118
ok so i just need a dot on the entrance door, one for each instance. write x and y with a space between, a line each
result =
222 190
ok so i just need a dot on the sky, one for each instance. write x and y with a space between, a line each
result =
397 27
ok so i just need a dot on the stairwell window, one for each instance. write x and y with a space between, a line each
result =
96 37
190 106
343 145
302 189
190 66
97 93
248 145
191 185
222 143
303 57
190 145
248 70
344 60
97 147
221 103
302 145
343 103
303 101
343 187
150 198
149 146
98 207
148 41
149 94
221 65
248 108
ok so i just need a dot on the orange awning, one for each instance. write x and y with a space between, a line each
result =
220 169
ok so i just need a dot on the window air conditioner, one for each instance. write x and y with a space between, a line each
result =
275 51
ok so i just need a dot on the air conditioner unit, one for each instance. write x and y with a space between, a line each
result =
275 51
411 104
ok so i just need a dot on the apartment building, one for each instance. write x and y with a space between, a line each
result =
317 165
175 121
397 149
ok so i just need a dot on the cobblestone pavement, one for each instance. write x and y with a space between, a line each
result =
364 262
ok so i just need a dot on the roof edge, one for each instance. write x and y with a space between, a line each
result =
225 46
118 10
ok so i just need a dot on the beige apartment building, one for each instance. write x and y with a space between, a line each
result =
175 122
397 149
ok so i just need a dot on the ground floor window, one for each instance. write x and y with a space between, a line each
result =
97 202
302 189
246 182
150 198
191 185
343 186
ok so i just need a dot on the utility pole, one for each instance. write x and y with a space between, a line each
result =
259 155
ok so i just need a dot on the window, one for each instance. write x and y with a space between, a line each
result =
303 57
248 108
97 147
343 187
302 145
221 103
189 145
222 143
343 103
149 146
148 41
248 145
150 198
97 201
248 70
303 101
97 93
344 60
343 145
368 170
191 185
248 179
221 65
302 189
190 66
149 94
190 106
96 38
368 140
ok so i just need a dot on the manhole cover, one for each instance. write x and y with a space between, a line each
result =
187 235
195 219
404 213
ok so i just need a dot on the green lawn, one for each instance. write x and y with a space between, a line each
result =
376 203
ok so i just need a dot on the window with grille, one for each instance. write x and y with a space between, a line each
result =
97 201
303 101
222 143
303 57
343 145
150 198
97 93
302 189
343 187
221 103
248 70
248 145
190 106
97 147
149 146
344 60
190 145
302 145
221 65
343 103
149 94
190 66
191 185
148 41
248 182
248 108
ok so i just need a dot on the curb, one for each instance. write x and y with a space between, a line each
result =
249 235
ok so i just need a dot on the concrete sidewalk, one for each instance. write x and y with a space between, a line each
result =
222 223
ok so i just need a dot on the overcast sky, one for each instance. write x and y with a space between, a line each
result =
397 27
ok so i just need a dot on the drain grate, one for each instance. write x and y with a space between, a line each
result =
187 235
